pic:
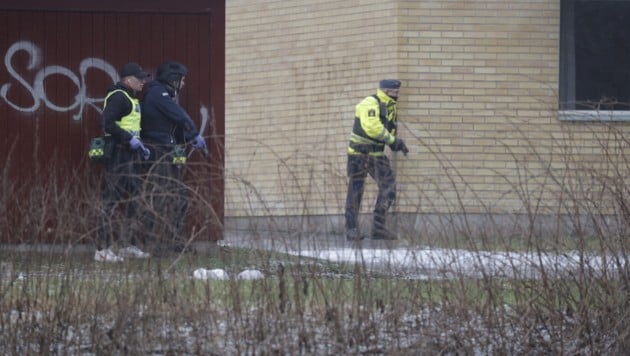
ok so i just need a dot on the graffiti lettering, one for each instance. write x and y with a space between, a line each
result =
36 89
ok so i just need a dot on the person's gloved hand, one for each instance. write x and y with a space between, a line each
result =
399 145
145 152
135 143
199 142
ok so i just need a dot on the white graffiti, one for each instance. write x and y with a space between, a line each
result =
37 91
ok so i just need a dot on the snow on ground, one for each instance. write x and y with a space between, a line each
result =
422 262
221 274
463 262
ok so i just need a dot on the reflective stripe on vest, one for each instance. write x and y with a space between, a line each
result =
130 122
361 142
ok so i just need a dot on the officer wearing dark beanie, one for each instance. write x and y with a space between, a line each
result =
389 84
374 127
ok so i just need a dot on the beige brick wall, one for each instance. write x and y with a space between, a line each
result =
478 106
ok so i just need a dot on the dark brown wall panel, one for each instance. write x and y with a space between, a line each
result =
60 56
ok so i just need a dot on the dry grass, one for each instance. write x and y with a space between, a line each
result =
60 302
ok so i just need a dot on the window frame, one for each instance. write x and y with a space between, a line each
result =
567 80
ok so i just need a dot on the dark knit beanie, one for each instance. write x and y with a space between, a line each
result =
389 84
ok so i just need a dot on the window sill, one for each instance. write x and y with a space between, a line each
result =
593 115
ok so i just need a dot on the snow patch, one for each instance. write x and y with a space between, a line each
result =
220 274
215 274
251 274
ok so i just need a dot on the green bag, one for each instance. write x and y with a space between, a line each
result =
101 149
178 155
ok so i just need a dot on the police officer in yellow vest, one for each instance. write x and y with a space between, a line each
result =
374 127
121 119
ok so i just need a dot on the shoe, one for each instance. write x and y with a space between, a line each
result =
353 235
133 252
383 235
107 255
183 248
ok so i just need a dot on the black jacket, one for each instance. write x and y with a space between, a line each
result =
117 106
163 120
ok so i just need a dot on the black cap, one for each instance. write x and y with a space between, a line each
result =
389 84
133 69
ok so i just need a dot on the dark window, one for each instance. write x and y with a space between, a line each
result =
595 55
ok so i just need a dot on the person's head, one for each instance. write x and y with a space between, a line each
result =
132 76
391 87
172 74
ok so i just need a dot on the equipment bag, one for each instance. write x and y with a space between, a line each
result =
178 155
101 149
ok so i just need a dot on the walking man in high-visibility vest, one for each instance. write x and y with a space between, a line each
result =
121 120
374 127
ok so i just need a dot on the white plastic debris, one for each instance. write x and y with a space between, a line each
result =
217 273
251 274
200 273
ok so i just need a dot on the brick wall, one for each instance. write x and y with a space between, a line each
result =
477 110
482 79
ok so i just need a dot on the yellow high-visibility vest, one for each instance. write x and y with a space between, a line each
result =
374 125
130 122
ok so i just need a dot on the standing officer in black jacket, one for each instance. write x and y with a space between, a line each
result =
165 127
121 120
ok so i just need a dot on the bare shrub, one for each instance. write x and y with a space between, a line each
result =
550 278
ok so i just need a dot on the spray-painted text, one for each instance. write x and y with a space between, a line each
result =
36 88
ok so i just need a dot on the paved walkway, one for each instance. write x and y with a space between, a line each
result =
301 241
400 257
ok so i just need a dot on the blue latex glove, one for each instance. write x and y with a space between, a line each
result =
135 143
199 142
145 152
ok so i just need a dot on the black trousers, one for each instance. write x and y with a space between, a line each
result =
167 198
379 168
120 188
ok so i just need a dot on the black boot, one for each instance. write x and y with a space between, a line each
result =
383 234
379 229
353 235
